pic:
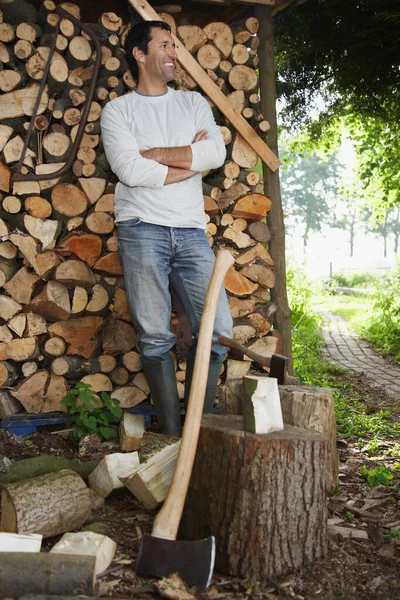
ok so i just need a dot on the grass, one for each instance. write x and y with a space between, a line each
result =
311 366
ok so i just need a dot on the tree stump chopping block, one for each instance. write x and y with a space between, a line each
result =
313 408
263 497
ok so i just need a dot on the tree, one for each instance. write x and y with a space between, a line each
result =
309 186
346 54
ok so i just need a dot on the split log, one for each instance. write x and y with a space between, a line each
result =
46 573
63 498
221 35
5 334
27 246
9 307
85 246
261 405
35 325
237 284
17 324
78 333
252 207
74 272
120 309
240 308
313 408
151 481
8 406
56 390
260 232
243 331
99 382
118 337
106 476
131 432
88 543
193 37
129 396
94 186
219 503
243 154
109 263
21 102
98 302
14 542
19 350
256 252
235 233
262 275
46 231
52 302
30 393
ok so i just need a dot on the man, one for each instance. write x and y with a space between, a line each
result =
158 141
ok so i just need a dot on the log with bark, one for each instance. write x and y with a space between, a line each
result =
49 505
268 514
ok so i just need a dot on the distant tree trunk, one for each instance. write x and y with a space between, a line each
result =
385 234
397 231
352 232
272 184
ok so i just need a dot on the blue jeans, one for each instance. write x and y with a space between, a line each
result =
155 256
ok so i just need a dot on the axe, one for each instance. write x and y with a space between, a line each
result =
276 363
161 554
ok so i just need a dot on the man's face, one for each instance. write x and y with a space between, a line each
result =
160 60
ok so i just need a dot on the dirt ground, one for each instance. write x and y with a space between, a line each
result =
365 566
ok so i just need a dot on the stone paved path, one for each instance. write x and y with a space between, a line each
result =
345 348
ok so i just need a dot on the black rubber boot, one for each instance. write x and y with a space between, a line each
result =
212 382
162 382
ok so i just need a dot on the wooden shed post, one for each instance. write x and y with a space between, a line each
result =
272 183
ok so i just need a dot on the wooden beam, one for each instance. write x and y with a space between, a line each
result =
195 71
281 5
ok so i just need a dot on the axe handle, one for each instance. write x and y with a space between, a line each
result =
264 361
167 521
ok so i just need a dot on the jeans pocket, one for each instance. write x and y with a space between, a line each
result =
129 223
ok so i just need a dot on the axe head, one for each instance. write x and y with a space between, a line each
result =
278 368
194 561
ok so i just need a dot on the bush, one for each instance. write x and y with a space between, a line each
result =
355 280
383 327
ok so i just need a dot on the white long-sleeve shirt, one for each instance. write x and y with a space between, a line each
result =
136 122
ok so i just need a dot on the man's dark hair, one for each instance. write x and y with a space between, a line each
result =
140 36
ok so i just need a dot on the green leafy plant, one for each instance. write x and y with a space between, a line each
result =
349 515
89 413
374 477
392 535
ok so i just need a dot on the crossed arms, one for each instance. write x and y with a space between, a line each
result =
178 160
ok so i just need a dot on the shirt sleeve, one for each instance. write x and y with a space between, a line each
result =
123 154
209 153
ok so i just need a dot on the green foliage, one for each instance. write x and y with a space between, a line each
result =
383 328
374 477
341 59
349 515
392 535
354 280
88 414
310 366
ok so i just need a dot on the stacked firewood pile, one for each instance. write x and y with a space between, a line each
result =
63 309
